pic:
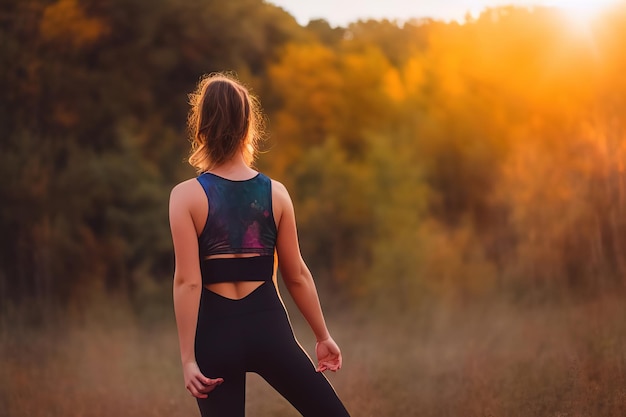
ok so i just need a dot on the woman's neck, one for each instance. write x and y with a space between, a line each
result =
236 169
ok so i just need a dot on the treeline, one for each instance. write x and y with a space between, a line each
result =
92 116
425 159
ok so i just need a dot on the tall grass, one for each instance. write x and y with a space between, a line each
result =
483 359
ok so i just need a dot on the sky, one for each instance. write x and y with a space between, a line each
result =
342 12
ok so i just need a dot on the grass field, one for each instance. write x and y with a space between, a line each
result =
488 359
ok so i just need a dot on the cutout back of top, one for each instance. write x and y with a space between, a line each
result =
240 221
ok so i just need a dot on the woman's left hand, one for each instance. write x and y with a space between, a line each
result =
328 355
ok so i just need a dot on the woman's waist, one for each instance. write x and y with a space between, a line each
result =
260 297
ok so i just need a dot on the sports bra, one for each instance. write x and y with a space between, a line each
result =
240 221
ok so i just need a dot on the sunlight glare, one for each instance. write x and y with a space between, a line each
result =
581 16
582 12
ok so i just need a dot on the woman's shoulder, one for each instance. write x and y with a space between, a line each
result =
186 184
279 189
185 190
280 197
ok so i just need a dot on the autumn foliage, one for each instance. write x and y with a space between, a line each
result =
426 159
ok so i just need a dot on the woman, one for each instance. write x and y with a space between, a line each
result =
230 227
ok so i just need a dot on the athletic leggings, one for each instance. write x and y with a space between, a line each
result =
253 334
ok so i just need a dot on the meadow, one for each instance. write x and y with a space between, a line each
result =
487 358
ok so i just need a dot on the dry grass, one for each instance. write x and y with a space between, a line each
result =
487 360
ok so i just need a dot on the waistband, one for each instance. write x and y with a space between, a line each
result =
263 298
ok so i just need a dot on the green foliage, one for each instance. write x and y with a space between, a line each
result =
93 112
336 211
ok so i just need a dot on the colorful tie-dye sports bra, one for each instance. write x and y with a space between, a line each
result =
240 221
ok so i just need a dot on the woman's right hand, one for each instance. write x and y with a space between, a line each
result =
197 384
328 355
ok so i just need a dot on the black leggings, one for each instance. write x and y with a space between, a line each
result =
254 335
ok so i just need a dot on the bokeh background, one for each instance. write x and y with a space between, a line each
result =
460 189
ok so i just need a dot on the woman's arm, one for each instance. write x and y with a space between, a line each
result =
187 287
299 281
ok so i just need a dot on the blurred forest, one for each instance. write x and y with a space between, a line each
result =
429 162
425 159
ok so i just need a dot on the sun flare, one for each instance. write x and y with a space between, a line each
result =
582 11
